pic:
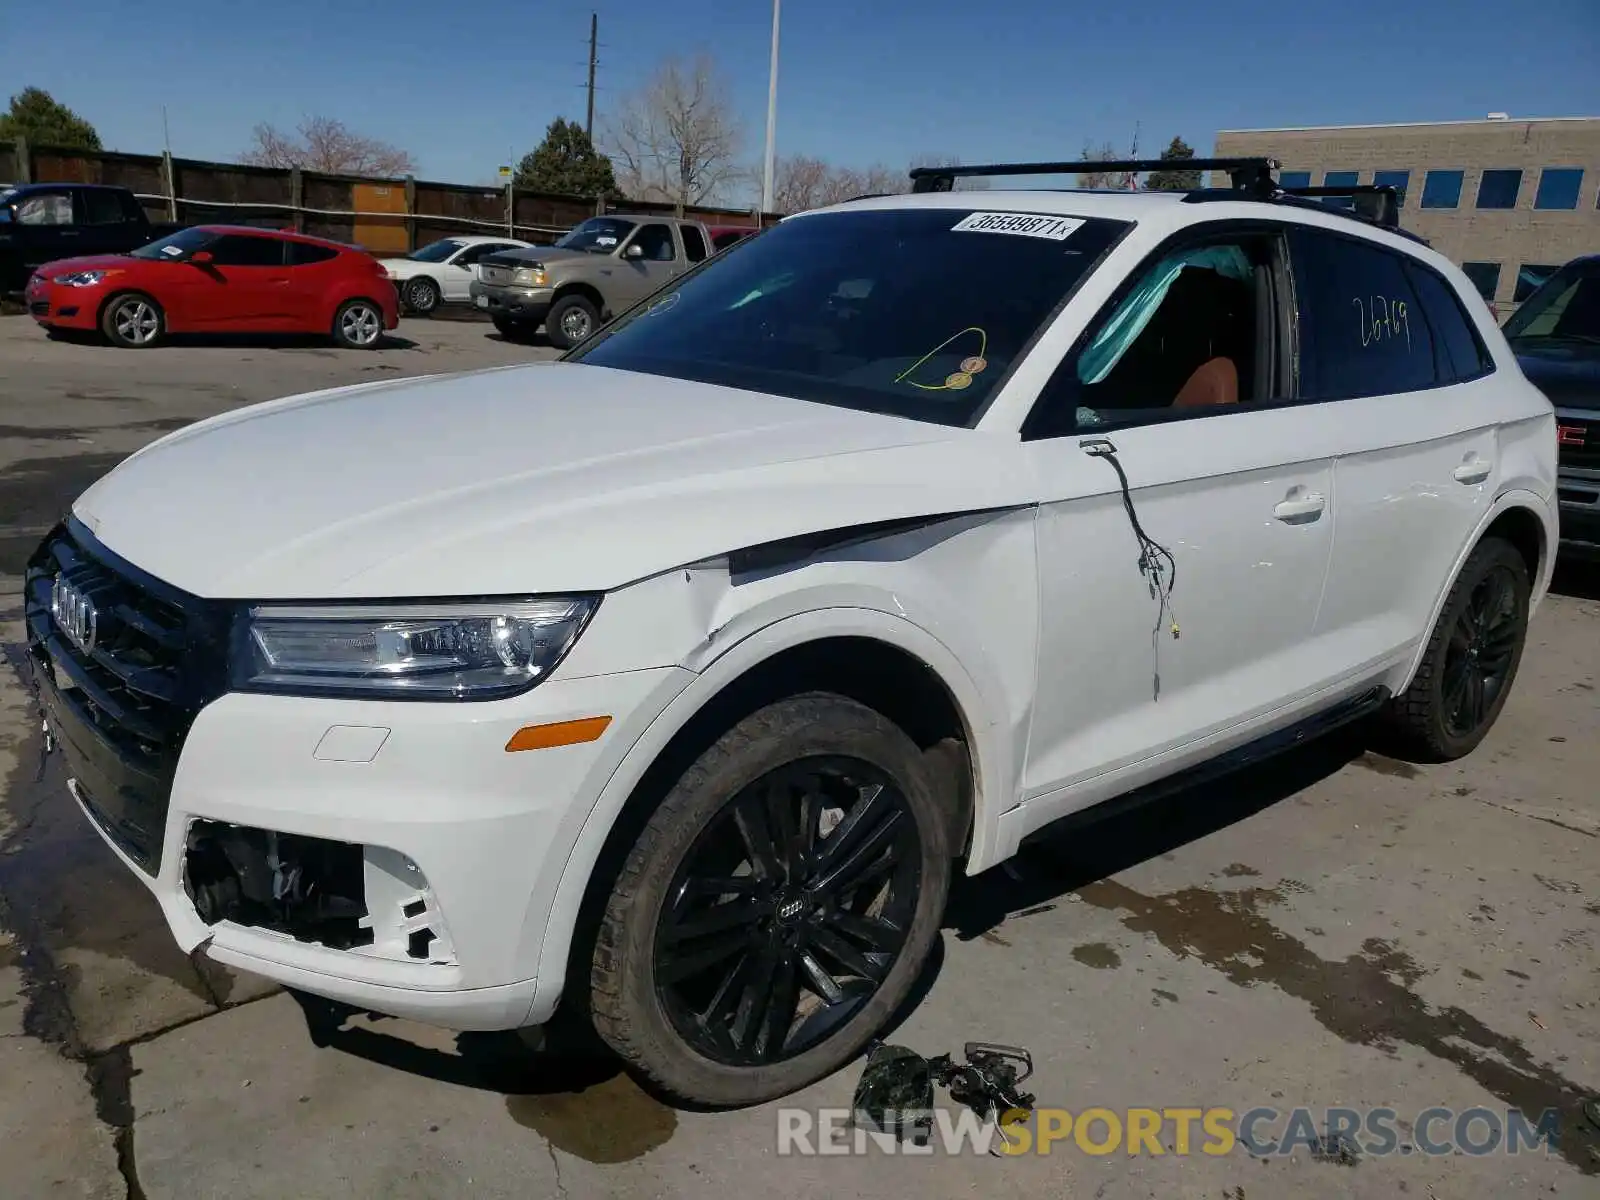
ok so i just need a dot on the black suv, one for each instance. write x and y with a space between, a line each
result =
1556 337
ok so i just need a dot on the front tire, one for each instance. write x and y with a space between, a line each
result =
133 321
570 321
358 325
777 908
422 296
1471 659
513 331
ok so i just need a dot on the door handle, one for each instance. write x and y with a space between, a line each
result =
1474 470
1300 508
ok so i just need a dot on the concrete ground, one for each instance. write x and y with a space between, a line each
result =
1335 929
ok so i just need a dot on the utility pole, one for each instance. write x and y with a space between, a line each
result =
594 45
772 116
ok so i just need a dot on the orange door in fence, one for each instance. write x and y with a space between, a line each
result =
380 235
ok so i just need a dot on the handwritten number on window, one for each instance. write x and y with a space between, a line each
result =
1383 320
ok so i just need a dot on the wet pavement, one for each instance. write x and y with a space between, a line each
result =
1335 929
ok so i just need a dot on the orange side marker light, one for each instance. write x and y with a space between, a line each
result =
559 733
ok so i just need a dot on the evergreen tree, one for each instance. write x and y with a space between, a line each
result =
1174 179
37 116
567 163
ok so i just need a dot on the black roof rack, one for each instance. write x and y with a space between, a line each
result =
1251 178
1245 172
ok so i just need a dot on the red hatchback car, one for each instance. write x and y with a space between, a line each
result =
219 279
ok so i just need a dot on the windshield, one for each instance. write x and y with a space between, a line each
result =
175 245
597 235
913 312
1566 308
435 251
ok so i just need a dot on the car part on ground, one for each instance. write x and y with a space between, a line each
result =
895 1093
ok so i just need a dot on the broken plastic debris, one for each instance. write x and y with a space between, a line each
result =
896 1091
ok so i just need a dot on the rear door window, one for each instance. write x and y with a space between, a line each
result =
303 254
1460 351
694 245
101 207
1362 330
242 250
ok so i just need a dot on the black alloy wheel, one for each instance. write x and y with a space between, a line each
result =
1481 652
776 908
1470 661
788 911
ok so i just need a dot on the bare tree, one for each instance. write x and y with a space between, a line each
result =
676 139
1121 181
324 144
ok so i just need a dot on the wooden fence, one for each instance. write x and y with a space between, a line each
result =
380 215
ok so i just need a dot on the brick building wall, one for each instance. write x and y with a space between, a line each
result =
1519 240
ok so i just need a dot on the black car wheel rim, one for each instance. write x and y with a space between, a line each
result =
788 911
1478 657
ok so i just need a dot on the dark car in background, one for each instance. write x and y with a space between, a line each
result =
43 222
723 236
1556 337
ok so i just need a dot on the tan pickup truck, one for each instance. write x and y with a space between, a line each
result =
601 267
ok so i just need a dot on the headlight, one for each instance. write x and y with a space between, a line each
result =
530 276
81 278
416 651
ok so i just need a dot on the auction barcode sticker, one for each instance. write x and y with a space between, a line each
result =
1057 229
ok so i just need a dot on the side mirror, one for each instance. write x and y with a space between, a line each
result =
200 257
634 251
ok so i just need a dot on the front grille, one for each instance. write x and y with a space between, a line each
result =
1578 443
492 273
120 704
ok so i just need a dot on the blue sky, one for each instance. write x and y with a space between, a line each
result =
464 86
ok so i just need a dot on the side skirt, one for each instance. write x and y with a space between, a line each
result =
1317 725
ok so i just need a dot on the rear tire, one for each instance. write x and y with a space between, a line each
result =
422 296
864 910
513 331
1471 659
358 325
133 321
570 321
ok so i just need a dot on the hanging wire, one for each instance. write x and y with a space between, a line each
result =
1156 563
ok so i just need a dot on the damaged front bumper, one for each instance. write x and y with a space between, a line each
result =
416 882
395 856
